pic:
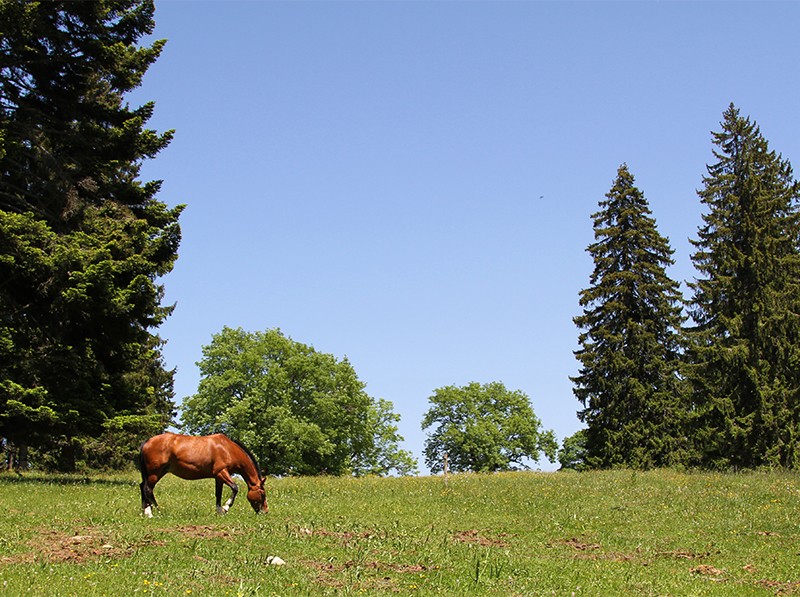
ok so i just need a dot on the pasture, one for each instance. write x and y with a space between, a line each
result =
600 533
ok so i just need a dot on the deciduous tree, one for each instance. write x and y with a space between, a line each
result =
299 410
572 455
484 428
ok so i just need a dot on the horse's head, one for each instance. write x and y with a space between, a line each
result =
258 497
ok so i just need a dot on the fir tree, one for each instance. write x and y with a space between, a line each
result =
82 241
630 343
744 353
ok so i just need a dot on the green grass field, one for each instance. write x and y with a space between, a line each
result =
602 533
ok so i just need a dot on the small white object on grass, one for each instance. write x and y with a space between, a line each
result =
275 561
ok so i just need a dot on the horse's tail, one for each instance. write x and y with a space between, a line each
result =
139 459
146 490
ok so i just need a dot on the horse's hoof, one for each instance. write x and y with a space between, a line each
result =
148 512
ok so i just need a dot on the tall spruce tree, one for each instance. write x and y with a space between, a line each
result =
82 241
630 343
744 357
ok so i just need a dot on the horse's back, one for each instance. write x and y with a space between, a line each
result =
186 456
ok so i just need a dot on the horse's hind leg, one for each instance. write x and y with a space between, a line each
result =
146 509
148 499
225 479
149 480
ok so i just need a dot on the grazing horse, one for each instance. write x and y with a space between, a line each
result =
191 458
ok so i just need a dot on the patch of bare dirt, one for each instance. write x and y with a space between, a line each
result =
780 587
345 537
330 574
575 543
593 551
684 554
706 570
400 568
372 565
475 537
195 531
59 546
89 544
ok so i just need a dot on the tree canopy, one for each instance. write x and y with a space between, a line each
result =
83 242
299 410
484 428
572 455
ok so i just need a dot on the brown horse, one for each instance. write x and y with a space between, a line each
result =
191 458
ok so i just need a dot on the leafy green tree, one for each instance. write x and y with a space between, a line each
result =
744 358
300 411
630 348
483 428
82 241
572 455
381 456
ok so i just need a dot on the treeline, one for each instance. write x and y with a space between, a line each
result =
303 412
711 379
707 380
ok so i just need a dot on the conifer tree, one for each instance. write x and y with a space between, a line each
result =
630 344
744 357
83 242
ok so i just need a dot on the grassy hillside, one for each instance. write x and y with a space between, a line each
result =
608 533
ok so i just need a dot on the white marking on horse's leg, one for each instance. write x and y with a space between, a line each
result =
148 512
228 504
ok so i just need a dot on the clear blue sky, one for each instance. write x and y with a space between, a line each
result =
410 184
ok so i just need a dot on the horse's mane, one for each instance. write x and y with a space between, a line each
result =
249 453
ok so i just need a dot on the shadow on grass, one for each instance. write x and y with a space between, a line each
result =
61 479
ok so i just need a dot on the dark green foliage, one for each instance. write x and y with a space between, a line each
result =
300 411
572 455
744 360
483 428
630 344
82 240
117 447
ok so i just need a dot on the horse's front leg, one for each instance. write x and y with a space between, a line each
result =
225 479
